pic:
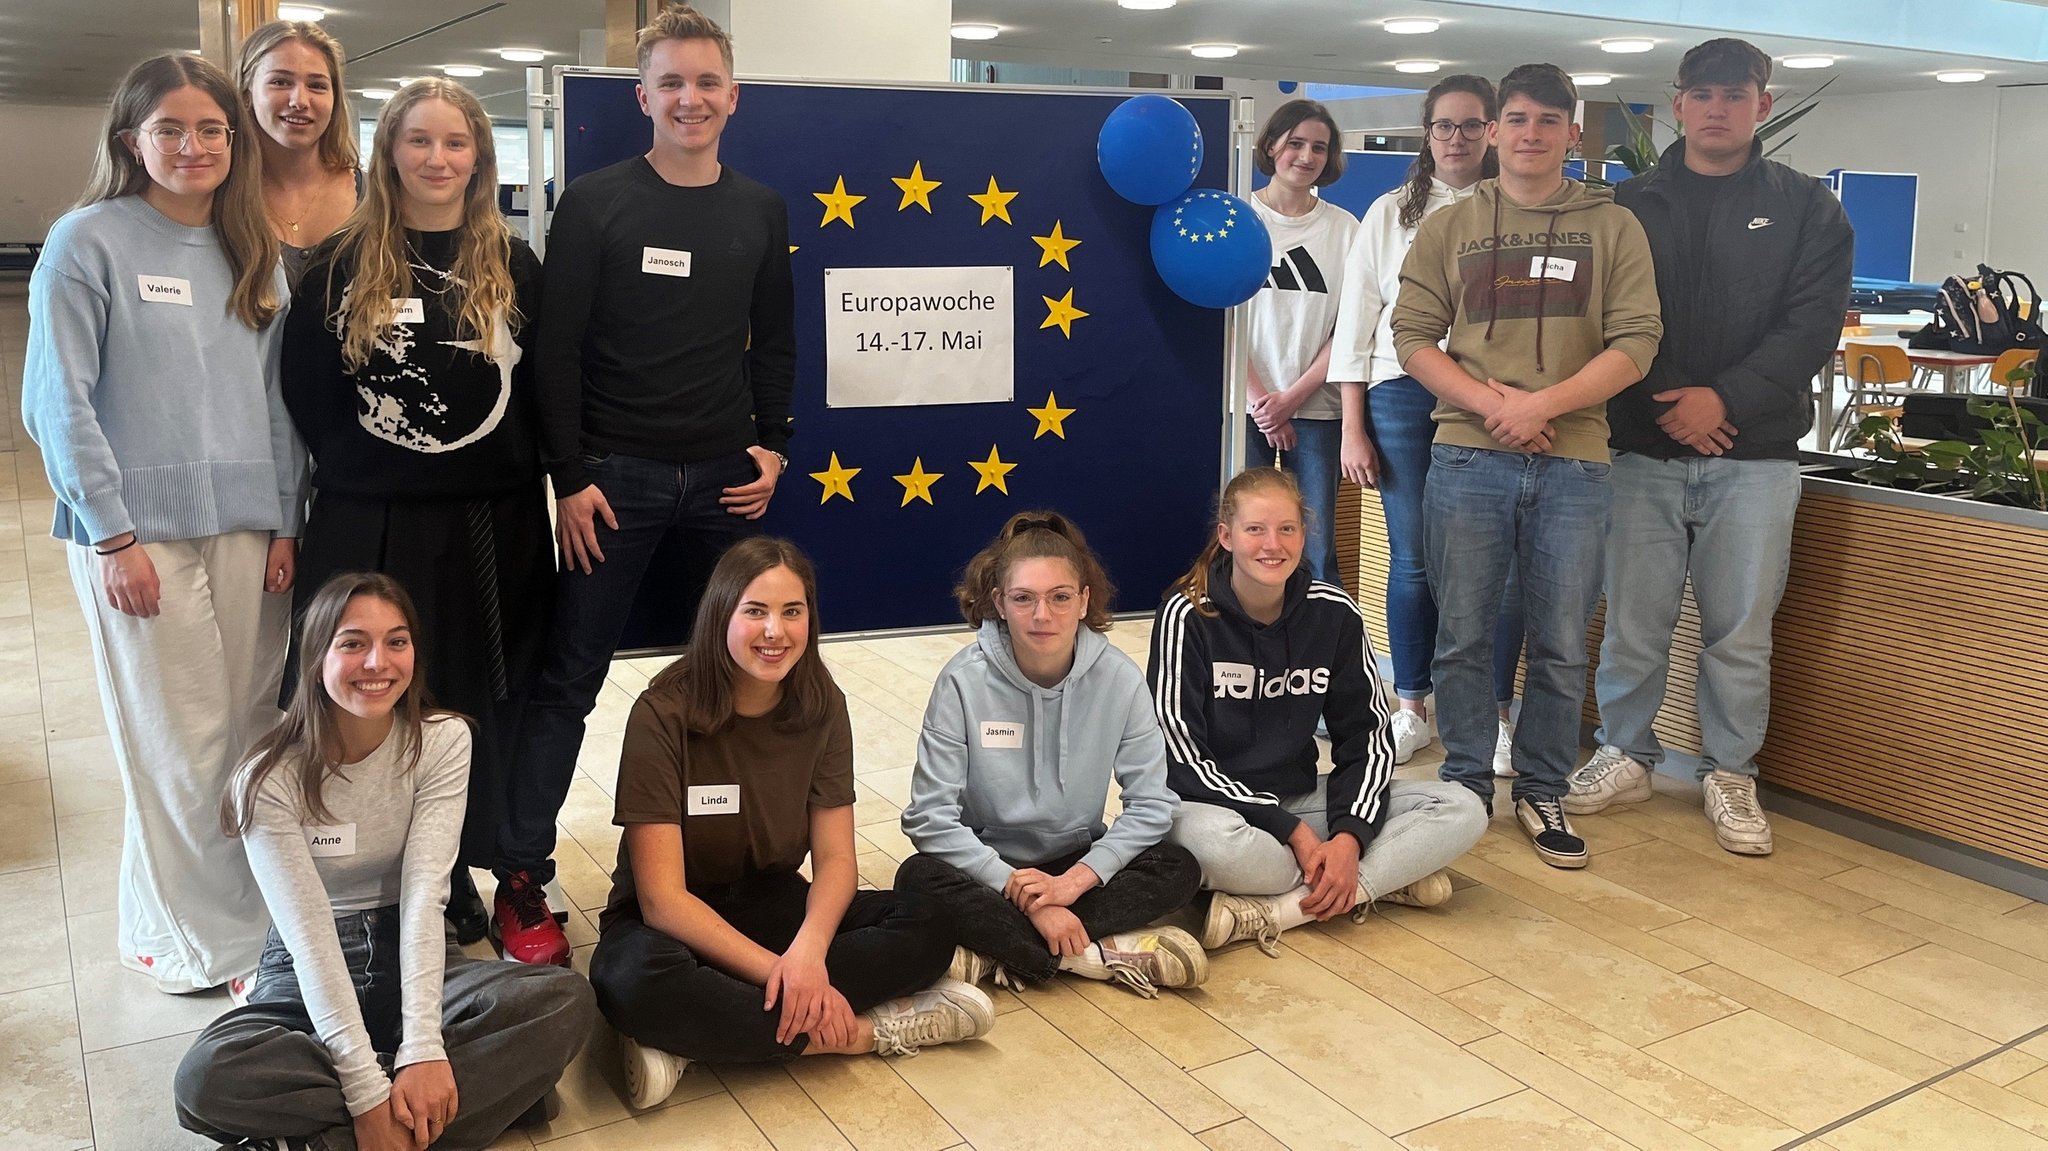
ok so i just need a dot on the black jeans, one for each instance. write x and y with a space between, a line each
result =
1162 879
654 990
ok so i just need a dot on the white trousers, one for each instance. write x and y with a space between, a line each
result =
185 694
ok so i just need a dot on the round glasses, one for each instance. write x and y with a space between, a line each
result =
1445 129
169 139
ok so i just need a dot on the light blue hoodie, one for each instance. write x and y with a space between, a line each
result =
1010 774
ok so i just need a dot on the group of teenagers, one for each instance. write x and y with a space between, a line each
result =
301 421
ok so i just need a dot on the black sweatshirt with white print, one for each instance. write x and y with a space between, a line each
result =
1238 701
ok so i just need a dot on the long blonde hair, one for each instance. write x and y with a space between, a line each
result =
1194 583
338 152
238 216
372 239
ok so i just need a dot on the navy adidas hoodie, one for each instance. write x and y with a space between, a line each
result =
1238 701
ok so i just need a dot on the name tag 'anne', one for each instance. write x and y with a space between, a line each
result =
164 290
714 799
332 841
408 311
665 262
1002 733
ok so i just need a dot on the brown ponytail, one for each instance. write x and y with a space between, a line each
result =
1194 584
1033 535
1415 193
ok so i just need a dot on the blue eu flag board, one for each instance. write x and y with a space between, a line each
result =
1115 413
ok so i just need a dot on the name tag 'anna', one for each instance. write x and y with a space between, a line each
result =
331 842
664 262
714 799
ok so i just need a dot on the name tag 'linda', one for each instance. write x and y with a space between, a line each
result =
408 311
1001 733
664 262
714 799
333 841
1552 268
164 290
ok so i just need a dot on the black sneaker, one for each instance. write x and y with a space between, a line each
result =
1556 843
466 911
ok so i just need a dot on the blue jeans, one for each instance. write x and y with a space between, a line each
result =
1398 421
1544 517
655 503
1729 524
1313 462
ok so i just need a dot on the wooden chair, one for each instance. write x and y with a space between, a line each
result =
2008 362
1879 375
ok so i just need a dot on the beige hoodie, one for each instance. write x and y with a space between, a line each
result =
1527 296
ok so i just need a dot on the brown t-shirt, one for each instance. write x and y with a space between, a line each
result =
742 796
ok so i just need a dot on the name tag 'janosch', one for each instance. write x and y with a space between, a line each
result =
664 262
164 290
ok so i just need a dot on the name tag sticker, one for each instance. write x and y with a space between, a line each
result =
1553 268
1001 733
331 842
408 311
714 799
664 262
164 290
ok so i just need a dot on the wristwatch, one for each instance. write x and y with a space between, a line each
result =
780 457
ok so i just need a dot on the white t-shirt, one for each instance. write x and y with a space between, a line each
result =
1293 315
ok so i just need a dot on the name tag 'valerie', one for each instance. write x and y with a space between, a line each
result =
164 290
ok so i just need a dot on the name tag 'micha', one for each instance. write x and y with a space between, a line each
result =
664 262
164 290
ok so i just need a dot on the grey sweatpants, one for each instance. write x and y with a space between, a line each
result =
1429 824
509 1030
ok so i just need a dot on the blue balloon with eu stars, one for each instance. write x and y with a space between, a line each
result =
1149 149
1211 248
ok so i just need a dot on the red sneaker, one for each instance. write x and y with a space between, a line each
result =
524 926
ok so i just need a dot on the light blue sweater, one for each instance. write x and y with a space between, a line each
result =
157 409
1010 774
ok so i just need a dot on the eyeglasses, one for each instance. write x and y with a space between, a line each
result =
1445 129
1058 601
170 138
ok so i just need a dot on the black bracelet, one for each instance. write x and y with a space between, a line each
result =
132 541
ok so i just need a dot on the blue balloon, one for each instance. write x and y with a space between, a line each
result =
1150 149
1211 248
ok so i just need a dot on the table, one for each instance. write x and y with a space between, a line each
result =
1955 369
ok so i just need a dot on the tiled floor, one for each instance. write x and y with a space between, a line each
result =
1671 996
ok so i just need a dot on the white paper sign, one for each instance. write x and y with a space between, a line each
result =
715 799
332 841
164 290
1002 733
664 262
900 337
408 310
1552 268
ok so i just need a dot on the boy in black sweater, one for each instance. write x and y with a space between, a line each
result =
667 355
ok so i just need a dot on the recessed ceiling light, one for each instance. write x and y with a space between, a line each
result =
1960 76
466 71
522 55
1417 67
1145 5
1628 44
1410 26
975 31
1214 51
301 12
1808 61
377 93
1591 79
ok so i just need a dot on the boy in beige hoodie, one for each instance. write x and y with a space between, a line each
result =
1543 297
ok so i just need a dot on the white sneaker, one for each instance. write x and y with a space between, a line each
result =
1431 890
973 968
1143 961
1411 734
1234 917
651 1073
1739 824
1612 776
1504 751
946 1012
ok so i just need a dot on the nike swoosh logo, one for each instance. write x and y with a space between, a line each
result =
1759 222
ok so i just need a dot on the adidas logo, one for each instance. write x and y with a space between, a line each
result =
1297 272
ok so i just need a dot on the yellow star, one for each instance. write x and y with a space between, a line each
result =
917 485
1054 247
995 203
837 480
838 204
993 472
792 247
1061 312
1051 417
916 189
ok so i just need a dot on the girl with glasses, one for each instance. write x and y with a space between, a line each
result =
1388 416
290 73
365 1027
1026 727
1294 409
1248 655
408 369
151 386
